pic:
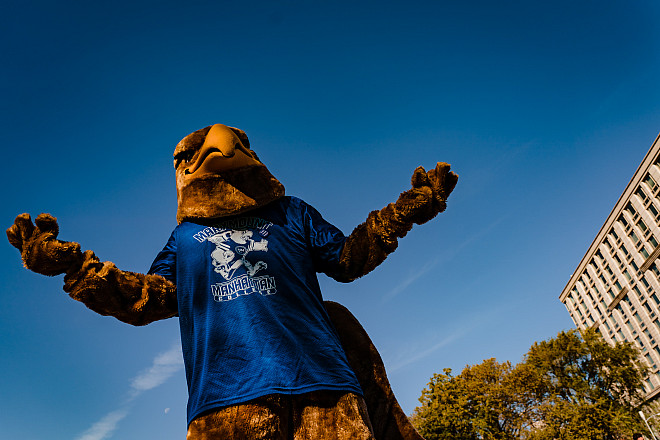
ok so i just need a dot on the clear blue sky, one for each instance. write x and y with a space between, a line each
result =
544 109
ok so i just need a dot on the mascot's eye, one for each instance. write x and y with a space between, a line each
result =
184 156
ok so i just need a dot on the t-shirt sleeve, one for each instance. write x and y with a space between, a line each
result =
165 262
325 240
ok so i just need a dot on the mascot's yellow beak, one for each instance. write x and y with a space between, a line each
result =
218 175
221 151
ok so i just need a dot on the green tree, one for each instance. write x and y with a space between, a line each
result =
478 403
586 388
572 387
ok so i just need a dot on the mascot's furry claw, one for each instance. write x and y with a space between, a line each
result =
133 298
40 249
221 182
371 242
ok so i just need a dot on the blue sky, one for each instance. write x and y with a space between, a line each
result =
544 109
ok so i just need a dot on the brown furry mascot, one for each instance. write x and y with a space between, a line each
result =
265 357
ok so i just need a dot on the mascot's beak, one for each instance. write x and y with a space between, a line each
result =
221 151
222 175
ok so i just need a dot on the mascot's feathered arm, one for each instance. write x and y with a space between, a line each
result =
372 241
131 297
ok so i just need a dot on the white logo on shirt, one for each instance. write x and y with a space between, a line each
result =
232 248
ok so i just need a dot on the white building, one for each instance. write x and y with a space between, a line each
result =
616 286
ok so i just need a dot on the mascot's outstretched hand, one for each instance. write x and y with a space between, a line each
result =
372 241
40 249
134 298
428 195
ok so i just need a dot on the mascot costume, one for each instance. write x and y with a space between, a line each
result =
265 356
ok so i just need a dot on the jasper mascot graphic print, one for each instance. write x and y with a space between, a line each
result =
236 249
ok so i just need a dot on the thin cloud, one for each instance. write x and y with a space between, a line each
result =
105 427
164 366
410 359
413 354
402 286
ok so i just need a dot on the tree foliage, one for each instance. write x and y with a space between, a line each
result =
572 387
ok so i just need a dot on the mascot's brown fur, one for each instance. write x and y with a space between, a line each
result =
218 175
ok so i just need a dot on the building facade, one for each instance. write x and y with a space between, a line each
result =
616 286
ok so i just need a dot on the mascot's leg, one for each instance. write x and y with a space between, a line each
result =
387 418
328 415
265 418
321 415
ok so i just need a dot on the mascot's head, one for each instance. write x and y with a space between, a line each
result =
218 175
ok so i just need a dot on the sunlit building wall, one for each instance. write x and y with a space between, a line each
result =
616 287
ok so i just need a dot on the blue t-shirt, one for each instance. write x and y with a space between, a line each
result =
250 307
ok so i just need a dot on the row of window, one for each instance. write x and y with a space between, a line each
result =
582 312
612 262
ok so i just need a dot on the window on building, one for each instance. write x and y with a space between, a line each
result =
648 335
653 210
623 221
643 252
641 194
656 299
618 286
627 274
633 237
631 210
647 307
591 297
649 181
614 234
625 251
653 241
600 255
654 269
619 309
642 226
637 317
646 283
638 292
634 266
618 260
